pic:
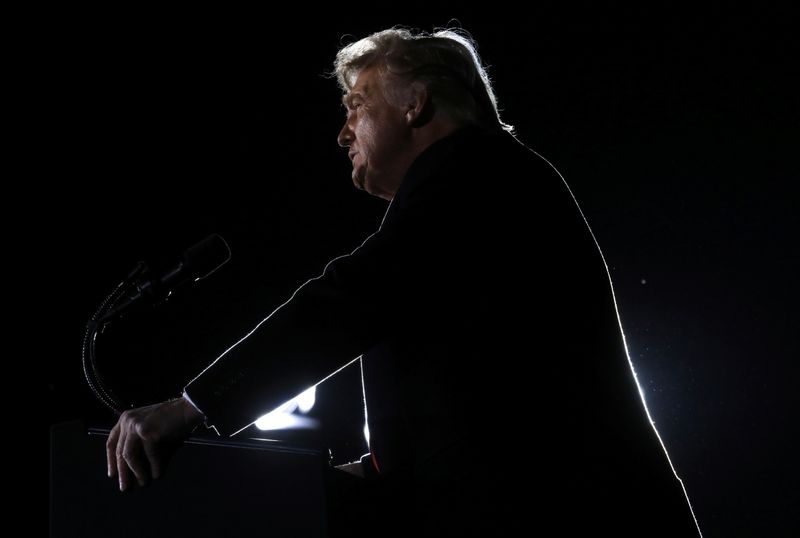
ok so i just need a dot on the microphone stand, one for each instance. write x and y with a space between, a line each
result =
94 327
139 287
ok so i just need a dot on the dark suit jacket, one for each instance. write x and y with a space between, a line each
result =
493 357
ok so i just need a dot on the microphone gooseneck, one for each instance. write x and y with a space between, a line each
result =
142 286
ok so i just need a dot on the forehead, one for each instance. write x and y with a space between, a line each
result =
366 81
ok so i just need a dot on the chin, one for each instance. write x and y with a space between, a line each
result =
378 193
366 183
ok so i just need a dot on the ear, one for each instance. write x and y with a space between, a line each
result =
418 106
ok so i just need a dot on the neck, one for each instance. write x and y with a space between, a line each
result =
433 131
420 139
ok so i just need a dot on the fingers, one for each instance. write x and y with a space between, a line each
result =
134 454
111 449
144 439
130 453
123 472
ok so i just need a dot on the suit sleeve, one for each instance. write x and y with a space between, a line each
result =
332 319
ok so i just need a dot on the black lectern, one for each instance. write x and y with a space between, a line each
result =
213 487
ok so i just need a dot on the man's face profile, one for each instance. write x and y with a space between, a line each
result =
376 133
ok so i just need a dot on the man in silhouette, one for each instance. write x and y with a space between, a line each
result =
499 393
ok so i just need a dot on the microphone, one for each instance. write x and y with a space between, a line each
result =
197 262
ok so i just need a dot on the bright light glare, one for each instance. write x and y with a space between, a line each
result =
283 417
306 400
285 421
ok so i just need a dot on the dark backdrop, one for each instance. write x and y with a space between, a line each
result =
676 130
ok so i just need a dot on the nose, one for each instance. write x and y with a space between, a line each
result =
345 137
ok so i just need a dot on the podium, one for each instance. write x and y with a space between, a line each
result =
212 487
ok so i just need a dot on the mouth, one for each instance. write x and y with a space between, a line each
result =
352 155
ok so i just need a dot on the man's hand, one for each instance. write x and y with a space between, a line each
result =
143 440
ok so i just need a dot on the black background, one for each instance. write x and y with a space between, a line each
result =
676 130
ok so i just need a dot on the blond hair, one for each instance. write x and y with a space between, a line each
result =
445 61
